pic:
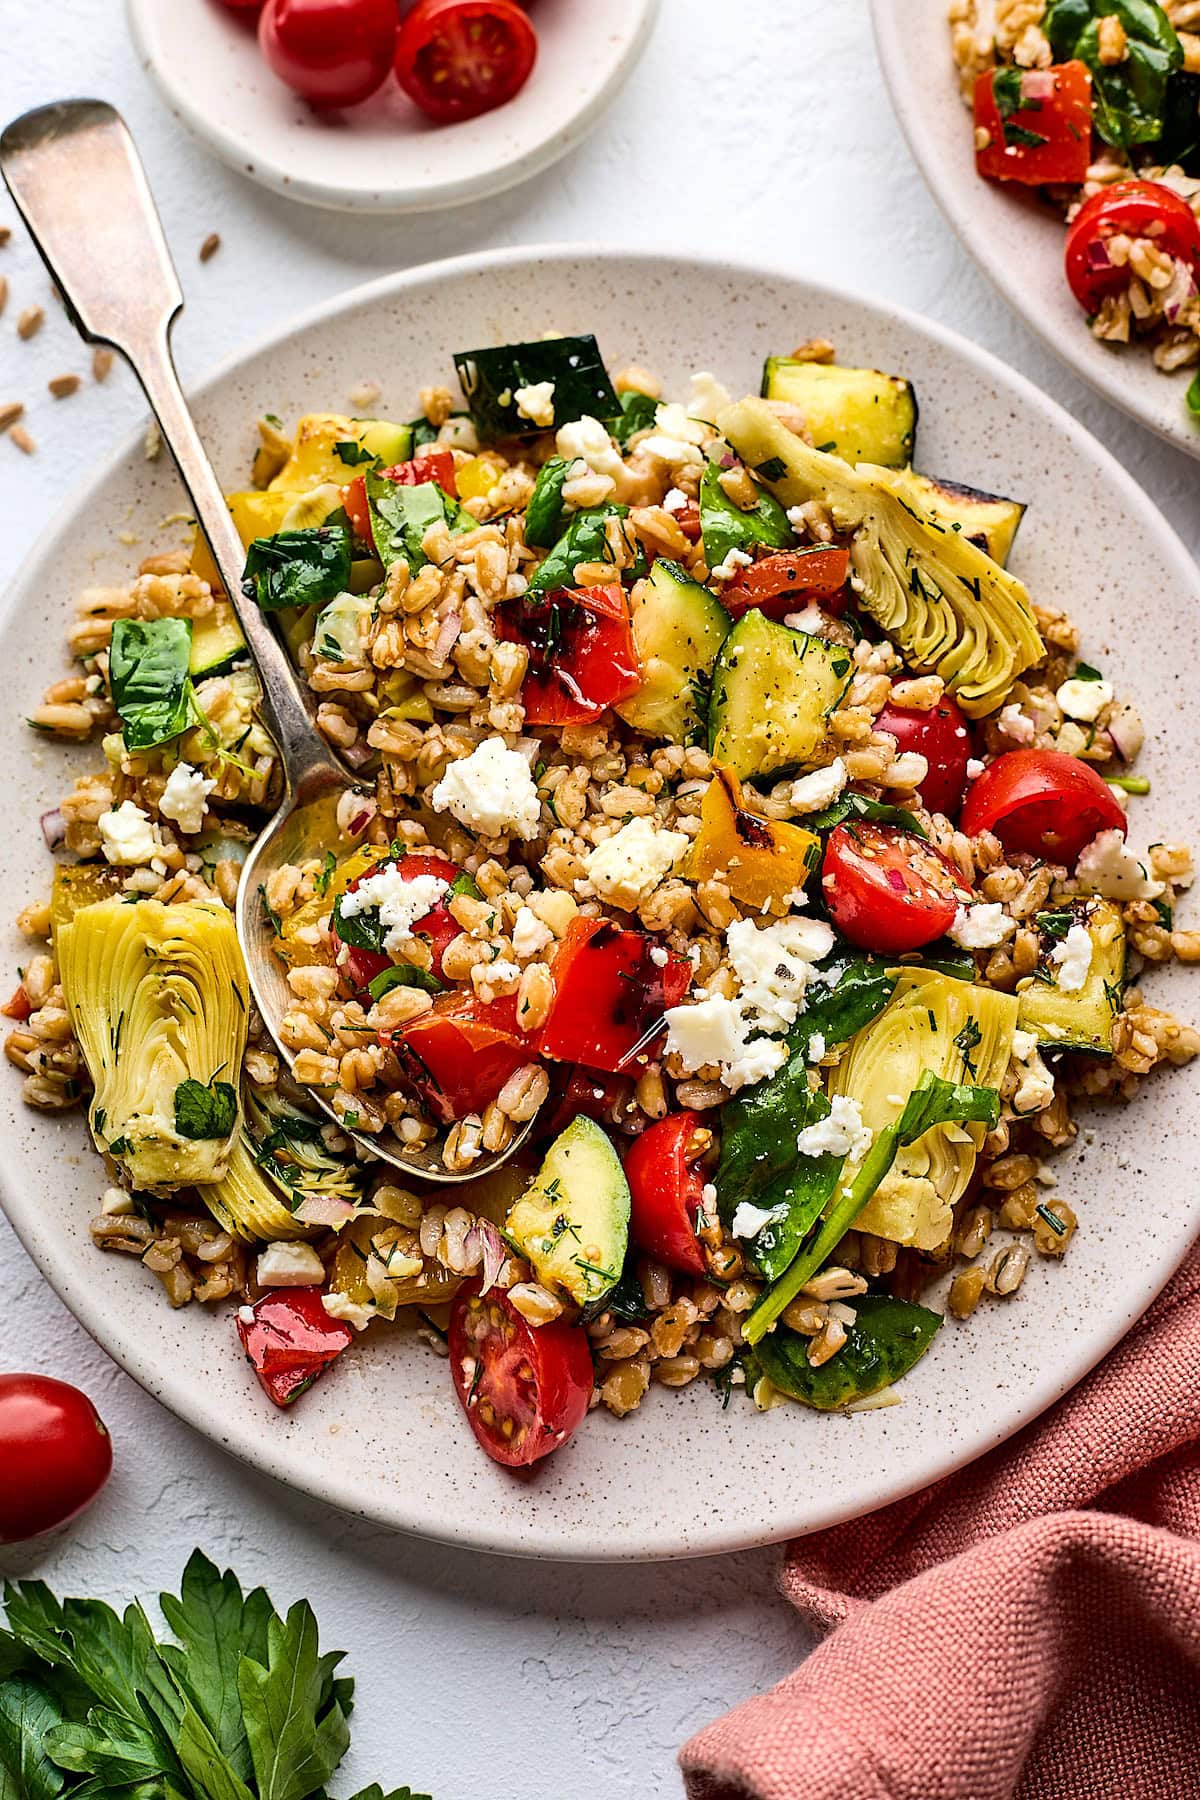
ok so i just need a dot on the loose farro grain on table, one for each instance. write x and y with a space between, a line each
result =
727 812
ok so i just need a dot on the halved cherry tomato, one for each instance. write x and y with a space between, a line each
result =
666 1192
943 737
887 889
524 1391
582 657
1135 209
460 58
354 499
55 1453
430 465
20 1006
331 52
1041 802
688 521
291 1340
1038 124
784 583
437 927
610 996
457 1056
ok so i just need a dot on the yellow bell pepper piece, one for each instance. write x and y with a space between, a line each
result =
761 861
314 459
476 479
255 514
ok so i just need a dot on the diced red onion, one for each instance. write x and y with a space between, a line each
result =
358 754
447 636
1182 287
355 812
493 1253
1097 256
54 828
324 1209
1126 731
1037 84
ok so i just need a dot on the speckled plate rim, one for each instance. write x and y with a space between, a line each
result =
1000 231
248 156
97 1302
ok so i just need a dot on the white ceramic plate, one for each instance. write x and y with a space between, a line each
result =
384 156
1016 242
383 1434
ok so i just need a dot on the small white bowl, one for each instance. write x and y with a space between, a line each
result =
385 156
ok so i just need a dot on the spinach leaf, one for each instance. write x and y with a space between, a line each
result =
403 975
205 1112
857 806
363 931
725 527
148 674
836 1009
546 516
637 414
1180 140
353 454
298 568
583 541
490 379
888 1336
1129 97
400 517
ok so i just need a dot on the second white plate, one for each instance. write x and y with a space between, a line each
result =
1017 243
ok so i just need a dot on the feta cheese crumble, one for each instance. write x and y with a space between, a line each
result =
1013 723
816 1047
660 957
1074 958
1084 700
185 797
127 836
398 901
840 1133
1109 867
981 927
536 403
708 397
625 869
809 621
491 791
975 768
675 500
715 1032
116 1203
771 963
813 793
341 1306
529 934
749 1219
289 1265
735 559
587 440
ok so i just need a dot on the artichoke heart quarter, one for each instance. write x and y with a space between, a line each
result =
959 1031
949 607
158 999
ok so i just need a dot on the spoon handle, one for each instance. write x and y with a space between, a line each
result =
78 182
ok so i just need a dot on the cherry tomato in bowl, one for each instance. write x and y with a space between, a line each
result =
459 58
786 583
457 1056
438 927
943 737
55 1455
524 1391
1043 803
330 52
290 1340
666 1190
888 890
1134 209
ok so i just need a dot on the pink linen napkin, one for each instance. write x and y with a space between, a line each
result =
1028 1629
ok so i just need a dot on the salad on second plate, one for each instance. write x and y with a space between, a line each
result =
733 827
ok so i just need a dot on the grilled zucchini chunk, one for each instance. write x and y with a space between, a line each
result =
158 1000
1076 1018
948 606
678 627
988 521
861 415
772 690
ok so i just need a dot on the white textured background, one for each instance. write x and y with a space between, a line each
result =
758 128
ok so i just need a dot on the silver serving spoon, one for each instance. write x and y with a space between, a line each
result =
74 172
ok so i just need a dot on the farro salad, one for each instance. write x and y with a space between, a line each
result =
729 815
1096 105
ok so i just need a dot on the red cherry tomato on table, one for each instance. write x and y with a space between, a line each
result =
1041 802
55 1455
438 927
1038 124
331 52
242 5
1135 209
666 1192
609 996
783 584
582 657
457 1056
887 889
459 58
524 1391
291 1340
943 737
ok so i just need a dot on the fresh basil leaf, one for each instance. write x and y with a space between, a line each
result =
152 690
1085 672
465 883
725 527
295 1726
858 806
353 454
583 541
363 931
887 1338
205 1112
400 517
546 516
298 568
28 1713
637 414
1129 98
403 975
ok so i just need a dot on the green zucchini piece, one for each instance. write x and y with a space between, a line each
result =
861 415
572 1221
772 689
490 379
678 627
888 1336
1082 1020
217 643
725 527
987 520
546 516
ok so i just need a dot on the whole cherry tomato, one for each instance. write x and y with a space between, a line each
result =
524 1391
459 58
943 737
666 1192
55 1455
887 889
1041 802
1134 209
331 52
